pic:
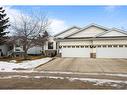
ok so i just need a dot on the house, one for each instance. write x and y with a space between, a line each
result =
3 49
92 41
49 48
13 47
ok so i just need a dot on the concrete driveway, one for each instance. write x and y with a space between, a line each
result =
86 65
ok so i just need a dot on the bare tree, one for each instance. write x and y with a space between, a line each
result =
41 39
30 27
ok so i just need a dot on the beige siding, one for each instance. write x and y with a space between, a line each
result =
113 33
89 32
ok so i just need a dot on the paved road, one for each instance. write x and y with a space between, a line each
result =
51 83
44 80
86 65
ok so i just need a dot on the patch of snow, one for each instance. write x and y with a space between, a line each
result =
11 66
99 81
113 83
27 76
58 72
7 66
53 77
119 75
34 63
14 76
13 61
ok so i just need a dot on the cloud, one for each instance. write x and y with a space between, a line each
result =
12 13
56 26
110 8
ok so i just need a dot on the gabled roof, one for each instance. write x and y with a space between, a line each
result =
67 30
106 32
112 29
90 25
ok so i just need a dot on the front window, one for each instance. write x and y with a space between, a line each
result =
50 45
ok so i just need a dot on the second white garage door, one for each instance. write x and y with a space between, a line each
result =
75 52
111 52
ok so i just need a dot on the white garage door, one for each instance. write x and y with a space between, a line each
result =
75 52
111 52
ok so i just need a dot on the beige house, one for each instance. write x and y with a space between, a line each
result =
92 41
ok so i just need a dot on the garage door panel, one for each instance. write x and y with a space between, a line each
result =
75 52
111 53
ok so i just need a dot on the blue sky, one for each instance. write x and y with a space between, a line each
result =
110 16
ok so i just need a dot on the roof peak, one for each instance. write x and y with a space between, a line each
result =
97 25
68 29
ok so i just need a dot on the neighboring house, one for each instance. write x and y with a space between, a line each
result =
14 47
50 44
3 49
50 47
10 48
92 41
35 50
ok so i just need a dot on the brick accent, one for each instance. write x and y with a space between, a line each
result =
92 55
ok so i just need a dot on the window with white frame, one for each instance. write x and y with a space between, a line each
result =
50 45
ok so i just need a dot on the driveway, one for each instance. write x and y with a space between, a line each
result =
85 65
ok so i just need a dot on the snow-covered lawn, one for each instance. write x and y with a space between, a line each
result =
12 65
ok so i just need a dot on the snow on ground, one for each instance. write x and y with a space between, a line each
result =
12 65
108 74
113 83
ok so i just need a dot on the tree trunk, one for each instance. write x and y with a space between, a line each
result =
25 51
25 55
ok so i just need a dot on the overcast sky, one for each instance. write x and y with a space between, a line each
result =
66 16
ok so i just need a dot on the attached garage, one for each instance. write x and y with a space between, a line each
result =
101 42
75 52
119 52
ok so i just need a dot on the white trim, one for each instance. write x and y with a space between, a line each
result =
113 29
66 30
